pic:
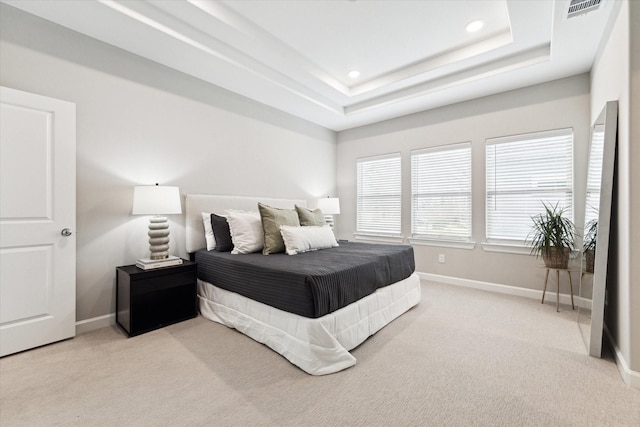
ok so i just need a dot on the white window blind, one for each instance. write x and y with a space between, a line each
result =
594 175
379 195
441 192
522 172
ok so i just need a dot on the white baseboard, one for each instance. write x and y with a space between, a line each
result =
629 376
509 290
94 323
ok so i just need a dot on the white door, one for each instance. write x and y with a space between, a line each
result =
37 213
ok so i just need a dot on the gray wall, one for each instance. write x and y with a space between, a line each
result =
558 104
141 123
616 76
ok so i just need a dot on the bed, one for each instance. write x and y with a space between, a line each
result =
301 323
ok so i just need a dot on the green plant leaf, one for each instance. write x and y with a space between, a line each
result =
550 229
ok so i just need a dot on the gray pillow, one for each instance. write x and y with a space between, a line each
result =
310 217
221 232
272 219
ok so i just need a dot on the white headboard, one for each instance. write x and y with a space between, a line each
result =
195 204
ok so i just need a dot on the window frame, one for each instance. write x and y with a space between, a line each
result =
443 239
512 245
369 233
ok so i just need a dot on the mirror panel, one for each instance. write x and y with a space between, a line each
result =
597 227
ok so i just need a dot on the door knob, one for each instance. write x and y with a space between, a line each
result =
66 232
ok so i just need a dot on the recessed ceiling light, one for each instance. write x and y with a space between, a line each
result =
354 74
474 26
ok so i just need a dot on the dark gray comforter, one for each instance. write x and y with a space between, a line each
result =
311 284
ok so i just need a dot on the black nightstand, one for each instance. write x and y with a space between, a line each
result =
150 299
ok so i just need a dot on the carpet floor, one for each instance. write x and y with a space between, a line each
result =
462 357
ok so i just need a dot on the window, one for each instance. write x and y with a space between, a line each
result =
522 172
441 192
594 174
379 195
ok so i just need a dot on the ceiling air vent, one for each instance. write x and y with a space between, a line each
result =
578 7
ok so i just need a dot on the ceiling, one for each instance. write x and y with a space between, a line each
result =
296 55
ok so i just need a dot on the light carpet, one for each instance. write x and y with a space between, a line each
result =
462 357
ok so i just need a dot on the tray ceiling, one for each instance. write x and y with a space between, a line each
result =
296 56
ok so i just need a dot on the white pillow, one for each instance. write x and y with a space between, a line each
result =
310 238
208 231
246 231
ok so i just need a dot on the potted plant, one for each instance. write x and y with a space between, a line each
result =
589 244
552 237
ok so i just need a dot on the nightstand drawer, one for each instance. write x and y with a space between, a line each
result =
151 299
162 283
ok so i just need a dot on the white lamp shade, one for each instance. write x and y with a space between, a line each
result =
156 200
329 205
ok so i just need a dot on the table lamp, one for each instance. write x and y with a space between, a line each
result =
157 200
329 206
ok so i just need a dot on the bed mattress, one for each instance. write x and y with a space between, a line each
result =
310 284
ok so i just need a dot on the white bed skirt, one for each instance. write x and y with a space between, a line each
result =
317 346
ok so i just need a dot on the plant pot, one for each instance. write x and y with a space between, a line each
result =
590 257
556 258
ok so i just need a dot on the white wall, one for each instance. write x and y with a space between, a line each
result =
634 191
559 104
141 123
615 76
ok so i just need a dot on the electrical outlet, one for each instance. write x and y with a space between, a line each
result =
441 258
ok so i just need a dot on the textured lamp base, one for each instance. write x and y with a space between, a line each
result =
329 220
159 237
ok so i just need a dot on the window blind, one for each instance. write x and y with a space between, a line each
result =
522 172
441 192
379 195
594 175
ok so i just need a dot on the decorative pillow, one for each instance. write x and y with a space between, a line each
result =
208 231
272 219
309 217
221 232
246 231
303 239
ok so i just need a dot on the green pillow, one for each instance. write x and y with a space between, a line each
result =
272 219
310 217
